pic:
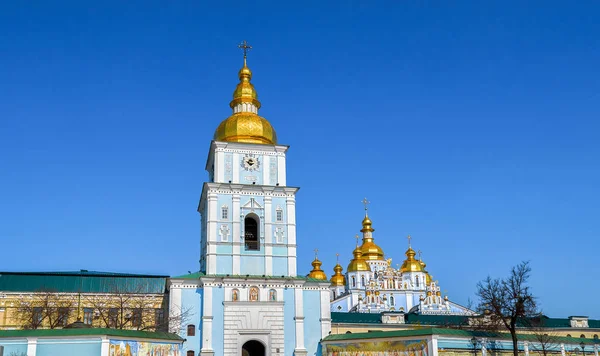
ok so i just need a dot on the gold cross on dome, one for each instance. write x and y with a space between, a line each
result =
408 237
366 203
420 254
356 237
245 47
316 253
337 257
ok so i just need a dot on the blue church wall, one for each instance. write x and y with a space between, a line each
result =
289 324
218 296
252 265
280 266
224 249
312 323
72 347
192 298
342 302
280 251
224 263
14 346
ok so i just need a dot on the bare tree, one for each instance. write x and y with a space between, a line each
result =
546 341
48 309
508 300
133 309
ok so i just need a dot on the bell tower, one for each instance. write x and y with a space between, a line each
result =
247 211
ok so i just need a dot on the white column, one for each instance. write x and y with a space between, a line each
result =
266 168
268 236
325 313
595 350
207 319
219 166
562 349
483 348
281 178
235 237
291 235
432 346
211 234
175 308
235 161
526 348
299 318
31 346
104 346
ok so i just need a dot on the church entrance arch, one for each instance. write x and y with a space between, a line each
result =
253 348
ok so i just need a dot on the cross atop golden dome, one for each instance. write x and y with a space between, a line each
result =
317 272
411 264
370 251
245 125
338 279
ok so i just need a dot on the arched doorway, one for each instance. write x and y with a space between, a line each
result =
253 348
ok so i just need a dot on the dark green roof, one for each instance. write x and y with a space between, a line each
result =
355 318
450 320
447 332
89 332
194 275
82 281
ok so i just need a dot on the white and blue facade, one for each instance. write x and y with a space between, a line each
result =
247 289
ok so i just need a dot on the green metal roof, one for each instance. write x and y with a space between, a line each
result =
447 332
449 320
89 332
82 281
194 275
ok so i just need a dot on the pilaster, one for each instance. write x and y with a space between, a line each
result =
31 346
268 234
104 346
236 236
207 319
300 349
291 234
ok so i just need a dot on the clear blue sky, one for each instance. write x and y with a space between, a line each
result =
473 126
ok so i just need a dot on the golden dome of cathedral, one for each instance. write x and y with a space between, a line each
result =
411 264
338 279
357 264
317 272
245 125
370 251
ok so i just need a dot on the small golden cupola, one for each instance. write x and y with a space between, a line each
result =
358 264
317 272
244 125
338 279
411 264
370 251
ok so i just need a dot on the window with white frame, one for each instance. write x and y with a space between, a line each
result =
224 212
279 214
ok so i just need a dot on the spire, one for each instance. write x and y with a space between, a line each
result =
244 125
370 250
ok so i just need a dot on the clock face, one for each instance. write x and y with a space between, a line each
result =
250 163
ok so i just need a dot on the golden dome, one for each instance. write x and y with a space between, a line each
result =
370 251
245 125
358 263
338 279
427 278
317 272
411 264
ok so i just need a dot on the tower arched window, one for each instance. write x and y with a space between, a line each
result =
392 300
224 212
190 353
251 232
353 281
279 214
362 281
417 281
191 330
